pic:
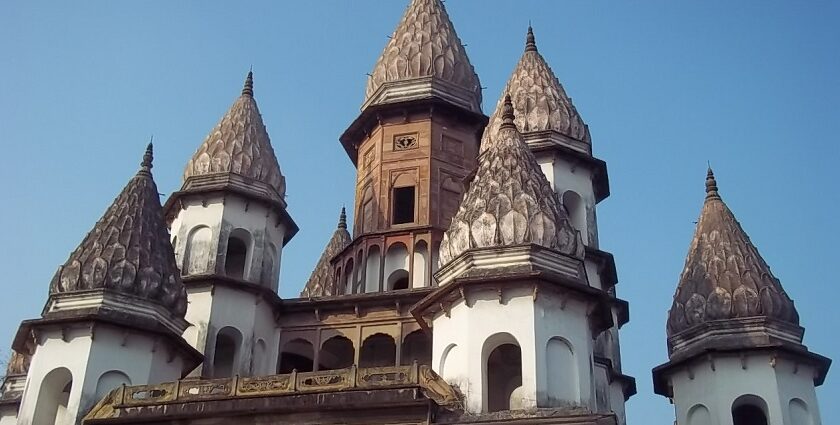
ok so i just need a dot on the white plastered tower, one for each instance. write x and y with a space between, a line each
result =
514 319
734 342
114 316
561 143
229 224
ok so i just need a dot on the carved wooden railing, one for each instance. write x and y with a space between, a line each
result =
351 378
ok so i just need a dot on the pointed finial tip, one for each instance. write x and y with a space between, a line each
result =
148 157
711 184
248 90
508 116
342 219
530 41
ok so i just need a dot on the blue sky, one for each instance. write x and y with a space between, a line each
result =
665 86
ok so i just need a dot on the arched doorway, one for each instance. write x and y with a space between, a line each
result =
226 352
336 353
297 354
502 371
749 410
54 397
236 256
378 350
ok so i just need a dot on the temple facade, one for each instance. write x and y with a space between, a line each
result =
468 285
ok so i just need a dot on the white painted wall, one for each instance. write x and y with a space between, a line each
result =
8 415
718 389
144 359
459 340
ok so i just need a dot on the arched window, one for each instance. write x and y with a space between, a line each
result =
108 381
197 253
398 280
336 353
450 354
421 265
297 354
416 346
237 254
563 385
53 398
378 350
226 352
749 410
502 371
396 267
576 209
374 258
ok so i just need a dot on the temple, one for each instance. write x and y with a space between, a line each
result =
466 283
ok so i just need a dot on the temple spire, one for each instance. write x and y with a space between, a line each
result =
148 157
507 114
248 90
530 42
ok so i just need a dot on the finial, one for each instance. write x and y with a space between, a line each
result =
342 219
530 43
248 90
711 185
507 113
148 157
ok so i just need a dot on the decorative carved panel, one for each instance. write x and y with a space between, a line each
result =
404 142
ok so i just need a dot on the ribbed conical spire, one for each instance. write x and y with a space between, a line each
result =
725 277
509 202
539 100
425 45
321 282
128 250
239 144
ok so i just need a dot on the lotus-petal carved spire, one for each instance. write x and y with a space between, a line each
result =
509 201
539 100
239 144
128 251
320 283
724 275
425 45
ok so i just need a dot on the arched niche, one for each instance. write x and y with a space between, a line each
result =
563 379
699 415
449 353
110 380
348 277
501 372
799 413
749 410
421 265
297 354
396 267
336 353
226 352
238 254
197 253
54 398
378 350
359 278
372 278
576 209
269 275
416 346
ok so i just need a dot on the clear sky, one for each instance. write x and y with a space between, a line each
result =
665 86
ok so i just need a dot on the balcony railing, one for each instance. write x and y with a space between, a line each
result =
294 383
